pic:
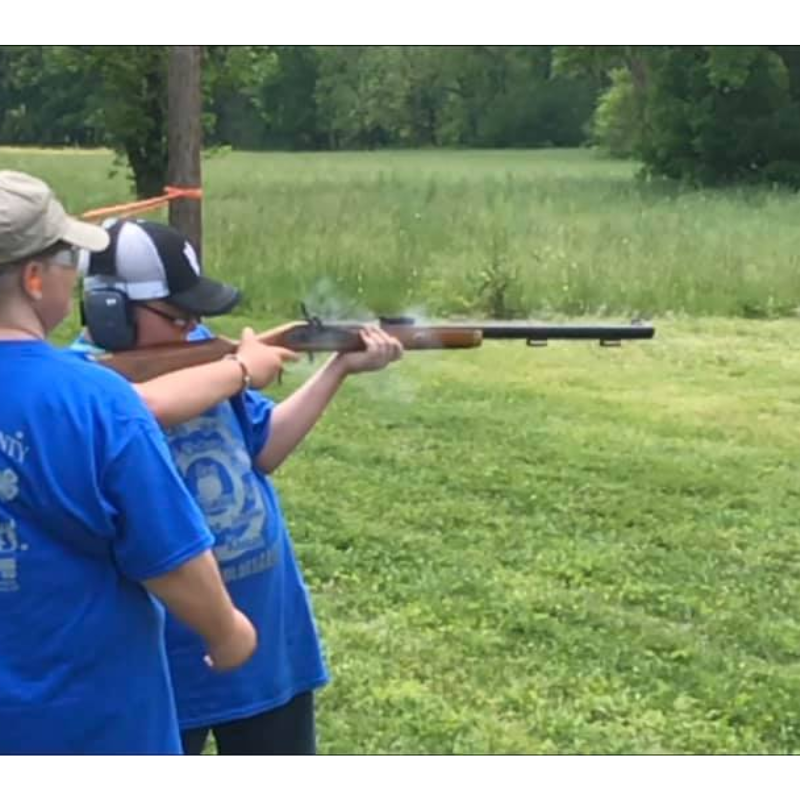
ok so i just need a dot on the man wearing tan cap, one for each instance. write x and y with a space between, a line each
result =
85 531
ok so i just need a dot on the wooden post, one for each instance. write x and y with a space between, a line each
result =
185 138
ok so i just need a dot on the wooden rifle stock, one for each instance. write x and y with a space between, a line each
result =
143 365
314 336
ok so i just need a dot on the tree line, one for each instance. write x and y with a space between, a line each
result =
702 114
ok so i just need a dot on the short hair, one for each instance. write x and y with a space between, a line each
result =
12 267
44 254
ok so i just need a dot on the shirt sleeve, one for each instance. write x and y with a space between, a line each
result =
258 414
252 408
159 525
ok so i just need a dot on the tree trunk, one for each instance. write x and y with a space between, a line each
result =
146 148
185 136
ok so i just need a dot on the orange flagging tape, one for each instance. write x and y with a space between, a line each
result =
141 206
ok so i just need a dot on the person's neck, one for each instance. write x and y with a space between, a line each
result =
21 326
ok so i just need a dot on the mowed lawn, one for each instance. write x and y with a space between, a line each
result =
571 549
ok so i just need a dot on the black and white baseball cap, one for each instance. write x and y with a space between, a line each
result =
150 261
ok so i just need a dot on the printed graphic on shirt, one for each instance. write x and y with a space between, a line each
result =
265 560
9 485
10 546
13 446
217 470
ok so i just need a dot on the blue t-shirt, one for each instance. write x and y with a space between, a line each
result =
215 453
90 506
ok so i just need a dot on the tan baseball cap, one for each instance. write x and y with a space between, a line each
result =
32 219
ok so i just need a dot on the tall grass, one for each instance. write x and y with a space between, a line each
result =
498 233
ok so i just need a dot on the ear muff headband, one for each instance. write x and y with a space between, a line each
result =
108 313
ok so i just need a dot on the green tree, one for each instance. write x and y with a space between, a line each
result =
234 78
294 97
44 100
120 94
704 114
722 116
357 94
467 95
623 76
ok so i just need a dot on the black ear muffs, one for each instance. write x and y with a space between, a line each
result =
109 317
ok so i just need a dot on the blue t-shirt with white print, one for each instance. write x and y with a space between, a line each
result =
90 506
215 454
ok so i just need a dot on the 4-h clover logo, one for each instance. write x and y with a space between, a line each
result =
9 484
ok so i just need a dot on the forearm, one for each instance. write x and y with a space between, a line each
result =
196 594
180 396
293 418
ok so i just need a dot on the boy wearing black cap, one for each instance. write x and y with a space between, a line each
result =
225 451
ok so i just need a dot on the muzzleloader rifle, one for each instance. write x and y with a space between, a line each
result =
314 335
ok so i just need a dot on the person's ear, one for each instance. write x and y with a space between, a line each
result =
32 280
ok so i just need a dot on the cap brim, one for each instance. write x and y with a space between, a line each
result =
206 298
86 235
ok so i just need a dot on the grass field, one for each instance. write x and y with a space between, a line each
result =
500 233
571 549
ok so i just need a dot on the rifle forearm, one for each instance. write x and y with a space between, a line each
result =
335 338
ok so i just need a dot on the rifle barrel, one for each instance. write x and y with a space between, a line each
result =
458 334
530 332
523 330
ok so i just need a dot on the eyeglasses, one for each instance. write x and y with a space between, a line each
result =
65 257
179 322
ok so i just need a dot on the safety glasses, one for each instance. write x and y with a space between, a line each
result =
65 257
179 322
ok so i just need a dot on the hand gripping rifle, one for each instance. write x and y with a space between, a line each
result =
315 336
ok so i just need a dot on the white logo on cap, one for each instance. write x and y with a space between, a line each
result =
191 257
